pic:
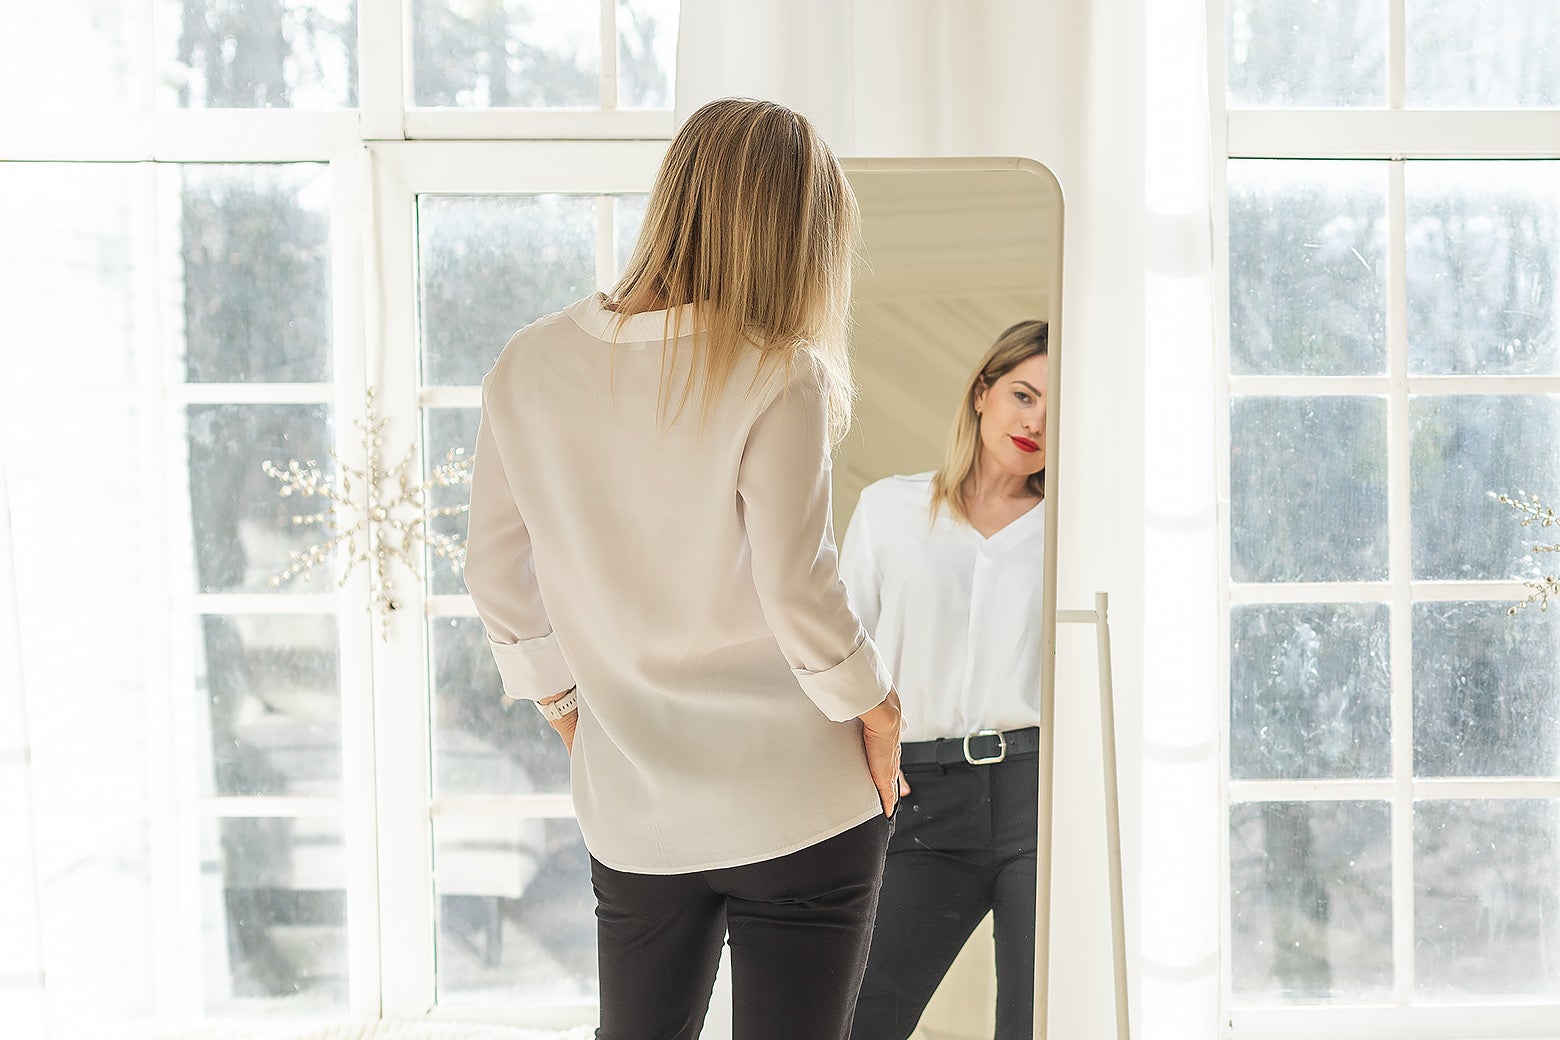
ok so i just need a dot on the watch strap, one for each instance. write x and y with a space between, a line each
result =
560 707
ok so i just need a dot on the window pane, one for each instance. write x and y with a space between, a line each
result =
68 310
256 261
1486 693
484 743
629 215
274 916
1308 480
1465 447
517 918
99 917
1483 253
1487 898
1307 268
506 53
1491 55
1309 691
273 709
491 264
449 429
1311 900
90 38
260 53
647 52
1307 53
243 527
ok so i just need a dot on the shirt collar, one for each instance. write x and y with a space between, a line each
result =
592 315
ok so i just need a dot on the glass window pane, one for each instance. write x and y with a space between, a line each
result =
274 916
273 704
90 38
1308 479
68 310
517 918
1465 447
269 54
1309 691
629 216
1307 268
1311 900
1491 55
1486 692
448 430
98 915
491 264
255 253
1483 252
1307 53
243 526
1487 898
647 52
506 53
484 743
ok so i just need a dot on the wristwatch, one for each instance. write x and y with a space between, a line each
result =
560 707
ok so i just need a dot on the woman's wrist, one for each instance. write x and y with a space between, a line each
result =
560 705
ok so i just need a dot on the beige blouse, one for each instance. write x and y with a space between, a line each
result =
684 576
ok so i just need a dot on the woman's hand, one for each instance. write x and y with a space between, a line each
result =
565 729
881 728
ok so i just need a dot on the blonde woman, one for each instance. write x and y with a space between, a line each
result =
650 551
945 570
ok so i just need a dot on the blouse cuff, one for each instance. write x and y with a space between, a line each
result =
532 668
853 687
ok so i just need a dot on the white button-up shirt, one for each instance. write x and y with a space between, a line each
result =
955 614
685 578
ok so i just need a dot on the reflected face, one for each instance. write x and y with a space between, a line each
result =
1012 418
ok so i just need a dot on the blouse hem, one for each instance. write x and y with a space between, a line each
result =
743 861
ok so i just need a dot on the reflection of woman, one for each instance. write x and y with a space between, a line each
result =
650 534
945 570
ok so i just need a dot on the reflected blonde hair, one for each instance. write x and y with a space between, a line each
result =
1017 344
751 225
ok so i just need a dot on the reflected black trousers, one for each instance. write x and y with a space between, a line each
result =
799 925
964 844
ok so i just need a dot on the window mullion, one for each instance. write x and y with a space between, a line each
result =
1397 49
382 68
1399 521
609 55
401 736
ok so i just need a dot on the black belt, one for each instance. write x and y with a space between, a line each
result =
984 748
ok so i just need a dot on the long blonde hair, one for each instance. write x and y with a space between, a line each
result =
752 225
1017 344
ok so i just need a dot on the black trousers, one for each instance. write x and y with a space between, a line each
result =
964 844
800 926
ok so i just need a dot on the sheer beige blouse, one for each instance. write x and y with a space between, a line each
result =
684 576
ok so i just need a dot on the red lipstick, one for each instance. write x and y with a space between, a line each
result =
1024 444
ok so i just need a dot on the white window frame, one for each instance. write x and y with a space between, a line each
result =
1395 134
402 172
381 156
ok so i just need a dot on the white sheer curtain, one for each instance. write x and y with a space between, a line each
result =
21 961
1112 96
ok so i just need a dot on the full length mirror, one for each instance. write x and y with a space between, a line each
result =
955 340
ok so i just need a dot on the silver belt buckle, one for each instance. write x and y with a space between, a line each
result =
1001 748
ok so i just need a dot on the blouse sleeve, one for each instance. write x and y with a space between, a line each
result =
501 575
859 568
783 484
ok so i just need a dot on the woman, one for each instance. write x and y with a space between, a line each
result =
945 570
650 551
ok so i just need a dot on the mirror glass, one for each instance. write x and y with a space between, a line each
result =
955 252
